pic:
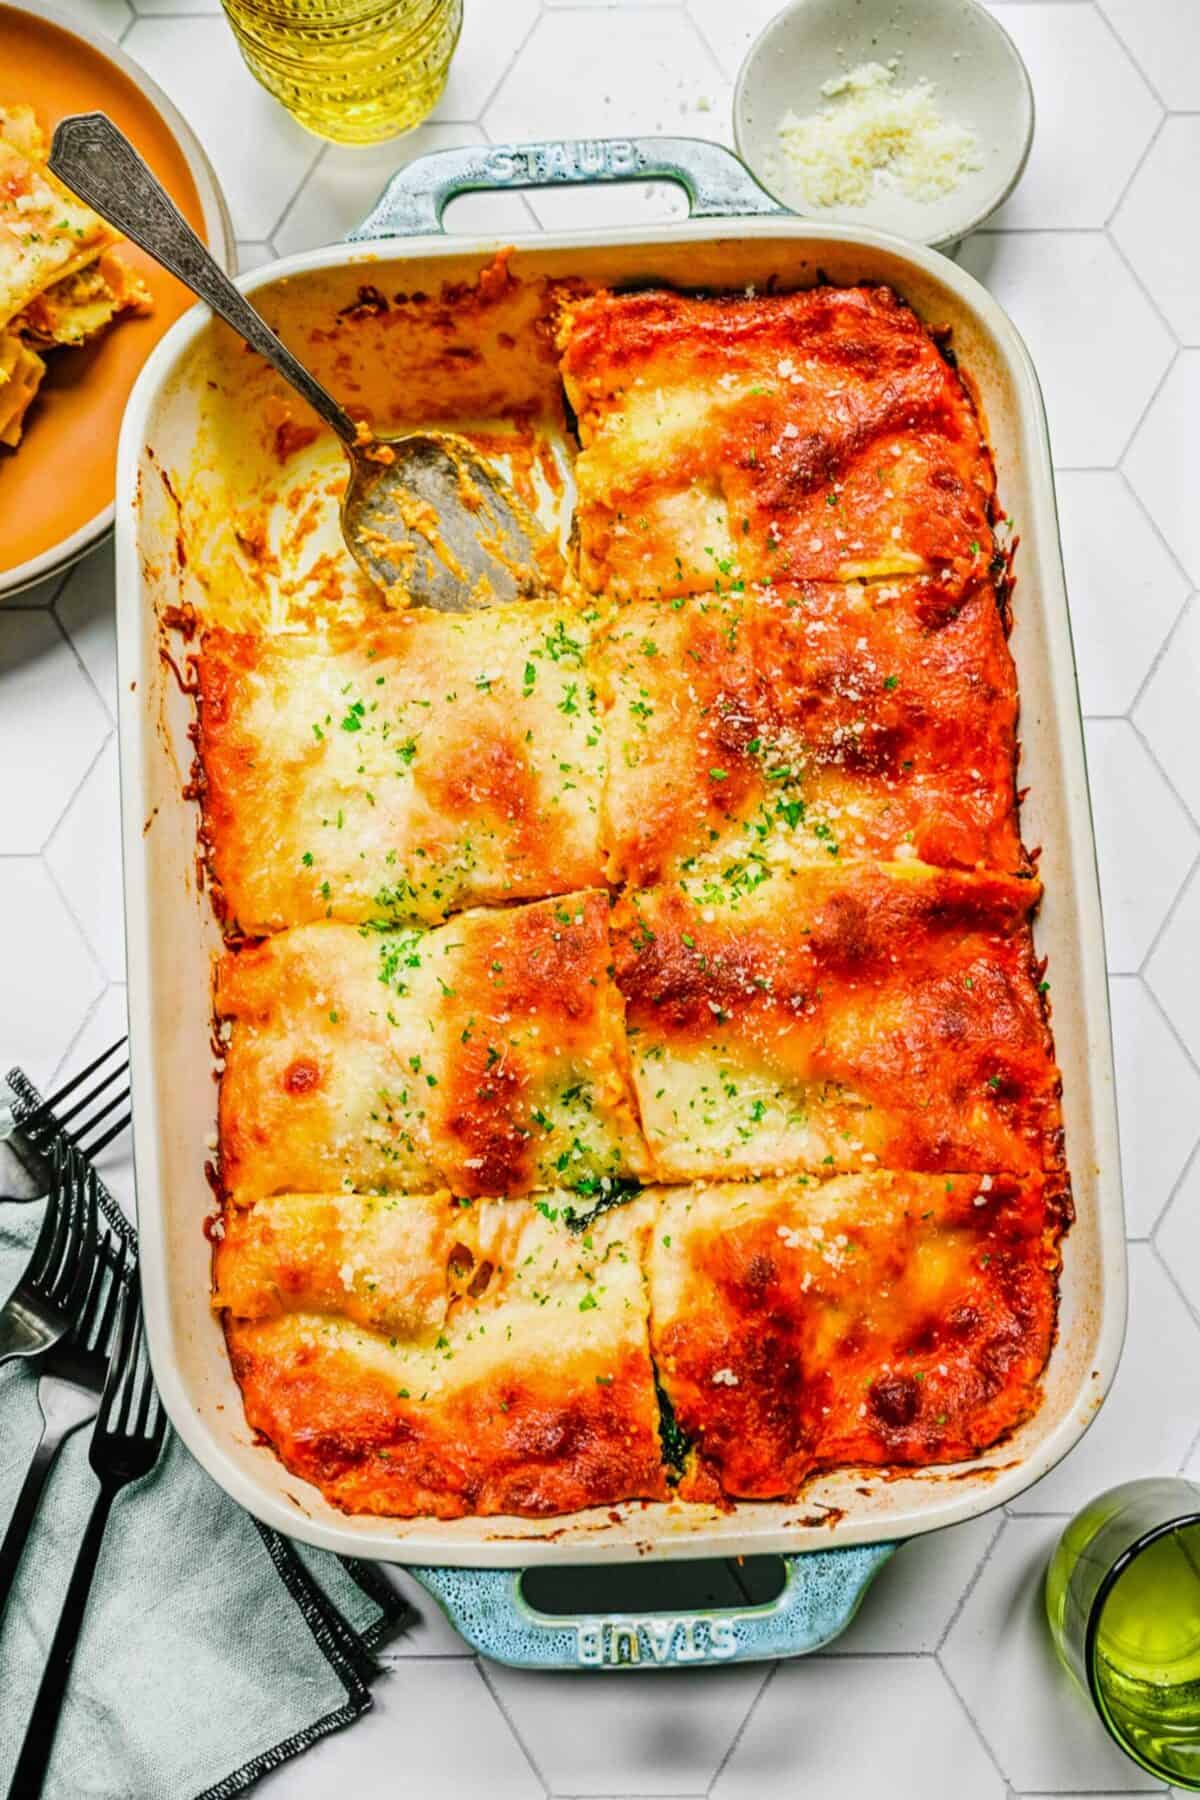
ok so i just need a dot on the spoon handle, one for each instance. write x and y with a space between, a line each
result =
97 162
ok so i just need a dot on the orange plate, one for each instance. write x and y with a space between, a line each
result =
73 424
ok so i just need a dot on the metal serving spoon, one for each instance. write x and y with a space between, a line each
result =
422 514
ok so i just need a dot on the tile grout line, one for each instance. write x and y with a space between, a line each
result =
314 163
1143 967
970 1716
1159 385
1166 1020
73 796
1153 86
110 712
1148 747
518 50
1157 661
85 936
971 1584
62 1065
1156 528
739 1734
1136 278
479 1663
1137 168
1191 1161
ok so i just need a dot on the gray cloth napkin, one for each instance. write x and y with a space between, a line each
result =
213 1649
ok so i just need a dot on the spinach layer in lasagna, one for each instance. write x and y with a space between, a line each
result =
636 1078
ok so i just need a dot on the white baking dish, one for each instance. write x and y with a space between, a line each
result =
171 934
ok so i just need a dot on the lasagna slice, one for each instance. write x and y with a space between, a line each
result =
486 1055
21 371
838 1019
412 1356
400 770
60 280
810 436
874 1318
803 724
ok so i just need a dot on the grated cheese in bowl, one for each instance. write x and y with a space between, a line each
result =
873 133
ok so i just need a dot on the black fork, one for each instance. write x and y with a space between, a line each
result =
126 1442
90 1127
71 1376
47 1299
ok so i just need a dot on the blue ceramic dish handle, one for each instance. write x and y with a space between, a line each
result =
717 183
821 1593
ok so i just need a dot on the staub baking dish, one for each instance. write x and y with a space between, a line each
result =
845 1524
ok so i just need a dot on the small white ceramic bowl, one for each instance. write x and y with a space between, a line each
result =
978 78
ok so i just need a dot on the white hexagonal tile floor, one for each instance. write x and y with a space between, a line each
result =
113 17
729 30
51 978
1039 1727
260 154
1086 86
859 1726
1173 971
1149 220
1164 37
345 184
1145 840
433 1730
1109 324
914 1597
1167 714
1158 1089
610 72
1125 588
85 611
1131 1437
48 703
658 1733
84 856
492 36
1178 1236
1163 459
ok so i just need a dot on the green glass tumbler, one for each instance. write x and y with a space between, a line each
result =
1123 1599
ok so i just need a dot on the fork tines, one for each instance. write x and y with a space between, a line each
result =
93 1329
131 1423
46 1120
64 1256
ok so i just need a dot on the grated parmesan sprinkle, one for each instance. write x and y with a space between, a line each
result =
871 134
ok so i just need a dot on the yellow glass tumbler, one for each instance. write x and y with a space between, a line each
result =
353 71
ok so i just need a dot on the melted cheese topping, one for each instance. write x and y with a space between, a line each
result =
487 1055
876 1318
814 436
532 1393
799 725
838 1019
784 731
429 762
21 372
46 234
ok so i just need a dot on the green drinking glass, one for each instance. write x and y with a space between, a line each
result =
1123 1599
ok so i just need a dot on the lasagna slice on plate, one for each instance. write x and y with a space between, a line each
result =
60 280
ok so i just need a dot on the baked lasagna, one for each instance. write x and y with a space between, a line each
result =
636 1076
61 280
